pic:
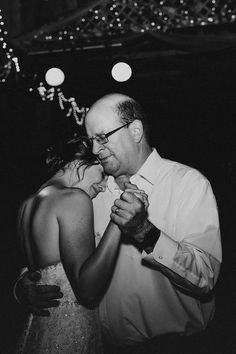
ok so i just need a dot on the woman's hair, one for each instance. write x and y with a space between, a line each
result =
73 150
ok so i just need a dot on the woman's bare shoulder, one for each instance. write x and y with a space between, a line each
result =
52 199
73 199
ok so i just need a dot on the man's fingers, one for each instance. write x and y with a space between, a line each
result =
130 185
134 190
128 197
42 289
117 219
47 304
46 293
38 312
114 209
48 296
122 204
43 296
34 276
139 193
132 197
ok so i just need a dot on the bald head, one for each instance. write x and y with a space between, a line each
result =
126 108
111 100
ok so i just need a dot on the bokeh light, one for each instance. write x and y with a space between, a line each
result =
54 77
121 72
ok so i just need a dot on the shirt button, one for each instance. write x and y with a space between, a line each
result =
160 257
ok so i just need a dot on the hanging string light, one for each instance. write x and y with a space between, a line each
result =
54 77
78 113
7 58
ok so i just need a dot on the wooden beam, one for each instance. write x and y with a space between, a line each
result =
82 8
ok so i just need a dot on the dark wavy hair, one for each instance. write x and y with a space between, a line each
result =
72 150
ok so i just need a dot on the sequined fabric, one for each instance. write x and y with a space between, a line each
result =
70 328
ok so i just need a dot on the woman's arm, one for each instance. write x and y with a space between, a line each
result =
97 270
89 269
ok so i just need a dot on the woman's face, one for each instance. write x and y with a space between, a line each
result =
94 180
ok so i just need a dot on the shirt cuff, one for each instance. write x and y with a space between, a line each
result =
22 273
163 252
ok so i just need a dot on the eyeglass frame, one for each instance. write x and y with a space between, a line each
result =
104 136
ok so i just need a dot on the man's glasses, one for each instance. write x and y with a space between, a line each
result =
103 138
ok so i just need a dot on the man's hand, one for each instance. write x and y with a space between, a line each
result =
130 212
36 298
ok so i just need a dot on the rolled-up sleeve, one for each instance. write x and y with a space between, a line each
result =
189 252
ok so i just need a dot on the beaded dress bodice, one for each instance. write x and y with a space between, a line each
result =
70 328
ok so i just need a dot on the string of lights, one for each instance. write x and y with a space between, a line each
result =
113 18
54 77
7 58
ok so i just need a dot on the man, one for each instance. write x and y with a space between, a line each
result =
169 258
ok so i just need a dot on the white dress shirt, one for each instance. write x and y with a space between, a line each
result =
159 293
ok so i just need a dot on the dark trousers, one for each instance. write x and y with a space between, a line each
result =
209 341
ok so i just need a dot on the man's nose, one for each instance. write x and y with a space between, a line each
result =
96 147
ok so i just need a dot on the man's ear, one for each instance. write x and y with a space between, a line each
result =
137 130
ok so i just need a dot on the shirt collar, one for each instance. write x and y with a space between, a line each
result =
148 171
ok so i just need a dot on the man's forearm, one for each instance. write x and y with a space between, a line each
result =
147 235
189 268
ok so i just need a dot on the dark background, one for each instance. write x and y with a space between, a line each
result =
190 103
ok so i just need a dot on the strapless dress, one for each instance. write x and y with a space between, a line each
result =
70 328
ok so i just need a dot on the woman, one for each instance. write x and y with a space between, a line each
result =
57 238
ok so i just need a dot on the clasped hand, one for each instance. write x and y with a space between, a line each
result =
130 212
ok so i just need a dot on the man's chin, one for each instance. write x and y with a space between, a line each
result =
110 171
109 167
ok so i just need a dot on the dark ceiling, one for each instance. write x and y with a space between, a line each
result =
182 54
171 39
